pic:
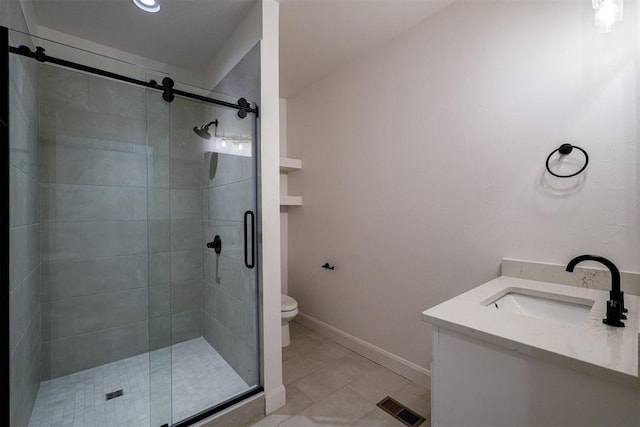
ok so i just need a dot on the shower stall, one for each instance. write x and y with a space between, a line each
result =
129 248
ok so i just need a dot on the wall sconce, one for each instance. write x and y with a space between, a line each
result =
607 13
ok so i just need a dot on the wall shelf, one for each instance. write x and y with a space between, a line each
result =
288 164
290 201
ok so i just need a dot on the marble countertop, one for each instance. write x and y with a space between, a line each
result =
593 347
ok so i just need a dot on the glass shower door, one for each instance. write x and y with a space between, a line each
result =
230 271
203 305
159 261
124 307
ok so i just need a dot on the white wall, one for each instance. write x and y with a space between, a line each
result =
270 203
11 15
284 215
424 163
178 74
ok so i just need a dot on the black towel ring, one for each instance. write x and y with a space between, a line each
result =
565 149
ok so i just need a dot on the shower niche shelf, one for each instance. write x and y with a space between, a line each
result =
287 165
290 201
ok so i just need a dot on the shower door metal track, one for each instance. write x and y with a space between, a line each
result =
221 407
167 86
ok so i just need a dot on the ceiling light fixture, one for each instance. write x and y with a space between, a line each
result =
608 13
151 6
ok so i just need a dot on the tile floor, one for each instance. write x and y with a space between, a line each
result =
329 385
201 378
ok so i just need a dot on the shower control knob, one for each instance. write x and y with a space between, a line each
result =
216 245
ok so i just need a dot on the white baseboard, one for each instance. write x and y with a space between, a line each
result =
382 357
275 399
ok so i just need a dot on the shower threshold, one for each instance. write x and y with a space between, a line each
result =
199 379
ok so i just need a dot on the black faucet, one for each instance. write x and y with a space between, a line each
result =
615 305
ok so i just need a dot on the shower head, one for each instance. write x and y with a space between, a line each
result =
203 131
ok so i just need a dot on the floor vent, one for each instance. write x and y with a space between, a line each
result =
400 412
113 394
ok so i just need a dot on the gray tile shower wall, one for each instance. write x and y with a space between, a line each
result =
175 220
24 297
121 221
186 151
230 288
94 231
159 216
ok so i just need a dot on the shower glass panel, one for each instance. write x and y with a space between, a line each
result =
214 295
159 267
133 277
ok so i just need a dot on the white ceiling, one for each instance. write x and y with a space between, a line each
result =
319 36
185 34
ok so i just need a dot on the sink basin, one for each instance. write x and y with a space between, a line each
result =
541 305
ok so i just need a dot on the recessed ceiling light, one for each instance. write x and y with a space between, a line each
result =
147 5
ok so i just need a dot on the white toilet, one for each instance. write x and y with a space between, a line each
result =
289 311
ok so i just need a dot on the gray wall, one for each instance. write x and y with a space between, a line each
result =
24 240
93 194
122 215
11 15
417 205
108 210
230 306
230 288
176 226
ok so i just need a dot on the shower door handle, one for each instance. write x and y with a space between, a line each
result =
251 264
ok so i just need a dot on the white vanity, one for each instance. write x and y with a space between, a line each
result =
517 352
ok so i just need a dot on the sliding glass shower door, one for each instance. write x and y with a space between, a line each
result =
202 261
133 284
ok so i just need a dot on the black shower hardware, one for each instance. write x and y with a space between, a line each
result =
615 305
113 394
248 264
167 89
328 266
245 108
566 149
203 131
167 86
216 245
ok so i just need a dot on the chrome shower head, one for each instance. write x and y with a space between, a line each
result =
203 131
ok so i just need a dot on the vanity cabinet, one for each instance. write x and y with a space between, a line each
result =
475 383
495 367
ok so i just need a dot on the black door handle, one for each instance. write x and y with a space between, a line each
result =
216 245
253 240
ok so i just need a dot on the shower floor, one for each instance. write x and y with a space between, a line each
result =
200 379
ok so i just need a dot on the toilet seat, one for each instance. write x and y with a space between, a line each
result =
288 303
